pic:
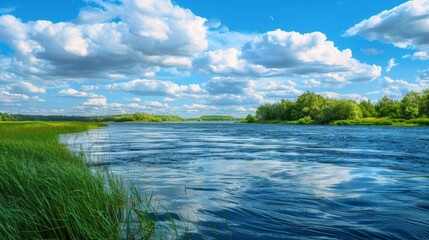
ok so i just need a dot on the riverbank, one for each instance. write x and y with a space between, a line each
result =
47 192
362 122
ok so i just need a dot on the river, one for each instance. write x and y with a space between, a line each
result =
260 181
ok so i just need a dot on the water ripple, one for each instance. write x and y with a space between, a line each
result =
254 181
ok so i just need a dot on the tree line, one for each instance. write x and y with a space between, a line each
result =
6 117
140 117
311 107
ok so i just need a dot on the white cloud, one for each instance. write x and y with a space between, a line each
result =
421 55
136 106
423 79
116 105
228 62
277 88
405 26
241 109
235 100
228 85
27 87
70 92
199 106
391 64
155 88
102 102
7 97
149 105
350 96
155 104
87 88
280 53
397 88
168 99
311 83
106 41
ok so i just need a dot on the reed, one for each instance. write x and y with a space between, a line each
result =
47 192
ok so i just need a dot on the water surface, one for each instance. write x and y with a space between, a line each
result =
251 181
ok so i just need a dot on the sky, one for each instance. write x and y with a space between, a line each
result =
193 57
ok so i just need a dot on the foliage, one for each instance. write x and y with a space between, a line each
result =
47 192
136 117
310 104
314 108
387 107
6 117
410 105
368 109
217 118
250 119
340 110
305 120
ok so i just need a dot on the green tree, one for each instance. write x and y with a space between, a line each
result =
424 103
387 107
367 108
310 104
286 110
340 110
266 112
251 119
410 105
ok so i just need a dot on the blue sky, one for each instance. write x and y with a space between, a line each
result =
192 57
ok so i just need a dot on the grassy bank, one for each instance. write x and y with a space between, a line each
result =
362 121
384 122
46 192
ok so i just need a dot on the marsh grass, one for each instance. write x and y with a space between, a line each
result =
47 192
384 122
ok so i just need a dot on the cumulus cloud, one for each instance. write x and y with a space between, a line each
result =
397 88
420 55
199 106
148 105
228 85
277 88
117 37
116 105
27 87
405 26
155 88
278 53
423 79
391 64
311 83
8 97
70 92
96 102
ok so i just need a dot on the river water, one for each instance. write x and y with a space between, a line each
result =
257 181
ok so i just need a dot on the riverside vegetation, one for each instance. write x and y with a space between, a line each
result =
134 117
47 192
312 108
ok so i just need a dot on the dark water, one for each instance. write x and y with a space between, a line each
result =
277 181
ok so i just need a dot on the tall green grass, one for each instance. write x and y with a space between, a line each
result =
47 192
384 122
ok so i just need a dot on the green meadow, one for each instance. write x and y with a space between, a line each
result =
47 192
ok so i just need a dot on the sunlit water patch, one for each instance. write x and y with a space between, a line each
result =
249 181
